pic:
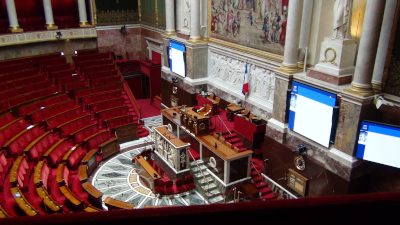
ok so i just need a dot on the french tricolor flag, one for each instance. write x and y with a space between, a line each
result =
246 82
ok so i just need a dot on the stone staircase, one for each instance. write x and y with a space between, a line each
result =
202 184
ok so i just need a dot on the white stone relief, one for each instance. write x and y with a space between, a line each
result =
231 71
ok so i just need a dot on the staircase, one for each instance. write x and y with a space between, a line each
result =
259 181
202 184
142 131
234 140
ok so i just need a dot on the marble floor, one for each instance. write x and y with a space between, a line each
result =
118 179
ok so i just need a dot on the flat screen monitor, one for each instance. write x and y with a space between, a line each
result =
313 113
379 143
177 58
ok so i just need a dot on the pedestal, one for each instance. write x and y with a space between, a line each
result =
337 57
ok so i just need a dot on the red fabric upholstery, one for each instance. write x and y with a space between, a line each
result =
37 105
189 182
49 62
56 194
65 80
74 125
168 187
59 119
52 110
108 104
55 68
99 56
100 97
179 186
81 135
41 146
111 113
76 188
159 189
92 62
75 158
61 74
58 152
94 90
6 118
95 141
97 68
15 148
101 74
105 80
112 123
13 129
76 85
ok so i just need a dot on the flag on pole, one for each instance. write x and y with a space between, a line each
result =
246 82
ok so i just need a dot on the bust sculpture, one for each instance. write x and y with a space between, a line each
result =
341 20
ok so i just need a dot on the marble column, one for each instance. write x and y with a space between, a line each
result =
83 22
48 13
178 14
12 17
383 45
204 19
289 64
169 18
305 28
195 21
368 47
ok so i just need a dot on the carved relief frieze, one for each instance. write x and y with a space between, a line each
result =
117 17
230 71
392 85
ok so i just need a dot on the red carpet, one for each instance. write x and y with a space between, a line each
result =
146 109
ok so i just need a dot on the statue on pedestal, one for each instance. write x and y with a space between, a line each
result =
341 19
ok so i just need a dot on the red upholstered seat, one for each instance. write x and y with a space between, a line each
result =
95 141
179 186
111 113
105 80
168 190
59 119
159 189
65 80
189 182
118 121
91 62
75 158
57 153
55 193
55 68
76 188
101 74
94 90
55 76
74 125
72 86
100 97
28 109
79 136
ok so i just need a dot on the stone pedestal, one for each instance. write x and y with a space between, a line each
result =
337 57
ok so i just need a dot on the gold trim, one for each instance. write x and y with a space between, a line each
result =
298 166
195 40
360 90
84 24
16 29
289 69
140 11
94 22
326 60
157 12
51 26
170 33
248 50
300 65
377 87
206 39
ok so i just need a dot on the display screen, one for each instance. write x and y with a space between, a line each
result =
177 58
312 113
379 143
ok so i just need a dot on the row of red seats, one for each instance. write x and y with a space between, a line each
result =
111 113
94 141
166 187
12 76
56 120
64 80
86 52
61 74
21 99
94 90
5 119
12 129
48 62
101 74
86 100
74 157
34 59
90 63
47 112
56 68
35 150
95 82
16 145
72 86
5 166
96 68
119 121
74 125
16 67
81 134
104 105
98 56
10 93
22 82
53 99
56 152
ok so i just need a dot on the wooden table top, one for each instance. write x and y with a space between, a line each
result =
146 166
169 113
249 189
89 188
47 199
235 108
22 202
171 137
82 173
89 155
118 204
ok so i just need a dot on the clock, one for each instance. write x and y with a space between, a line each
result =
300 163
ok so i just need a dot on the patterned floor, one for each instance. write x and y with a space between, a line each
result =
118 179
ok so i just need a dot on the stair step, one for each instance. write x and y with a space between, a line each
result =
199 175
211 195
269 196
238 144
265 190
232 140
261 185
257 179
218 199
209 186
199 162
254 168
203 182
196 169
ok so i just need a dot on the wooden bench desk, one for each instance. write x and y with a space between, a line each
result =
113 204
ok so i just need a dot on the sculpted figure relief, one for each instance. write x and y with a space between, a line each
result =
341 20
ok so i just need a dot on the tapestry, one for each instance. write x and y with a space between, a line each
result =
260 24
161 14
148 12
117 12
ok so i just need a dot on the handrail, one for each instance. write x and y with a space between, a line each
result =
262 182
130 91
224 124
199 168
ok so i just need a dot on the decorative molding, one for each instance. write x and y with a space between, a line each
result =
277 125
42 36
117 17
343 158
118 27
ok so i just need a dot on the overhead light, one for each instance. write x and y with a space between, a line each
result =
61 53
75 52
